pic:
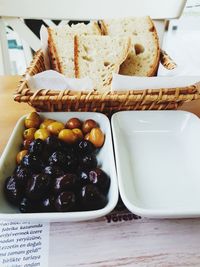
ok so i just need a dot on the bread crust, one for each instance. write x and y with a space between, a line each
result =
53 54
154 68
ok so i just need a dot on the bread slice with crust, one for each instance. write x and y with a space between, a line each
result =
144 55
61 45
98 57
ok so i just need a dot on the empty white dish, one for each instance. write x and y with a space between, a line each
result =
157 159
105 159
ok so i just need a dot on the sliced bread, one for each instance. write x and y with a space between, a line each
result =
98 57
144 54
61 45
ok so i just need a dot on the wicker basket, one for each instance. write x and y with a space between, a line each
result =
108 103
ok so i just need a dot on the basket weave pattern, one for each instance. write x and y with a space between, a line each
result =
108 103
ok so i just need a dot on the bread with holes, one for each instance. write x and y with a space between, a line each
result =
61 45
144 55
98 57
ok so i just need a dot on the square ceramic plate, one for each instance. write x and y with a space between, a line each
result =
105 160
157 158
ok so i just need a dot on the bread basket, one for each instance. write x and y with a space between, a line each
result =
107 103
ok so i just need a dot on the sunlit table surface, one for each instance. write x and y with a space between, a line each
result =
10 111
118 240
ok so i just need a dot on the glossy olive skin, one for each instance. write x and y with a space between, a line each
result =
36 146
99 178
65 201
26 144
68 136
55 127
83 177
47 204
53 171
22 175
33 162
92 198
68 181
88 125
29 133
12 191
85 147
97 137
46 123
73 123
42 134
38 186
20 155
78 133
57 158
32 120
88 162
27 206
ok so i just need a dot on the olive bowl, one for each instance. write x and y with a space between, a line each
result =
105 158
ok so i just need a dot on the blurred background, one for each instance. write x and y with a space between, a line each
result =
181 41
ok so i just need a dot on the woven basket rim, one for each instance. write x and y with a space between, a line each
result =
161 98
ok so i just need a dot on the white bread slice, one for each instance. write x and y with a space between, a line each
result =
144 55
61 45
91 28
61 52
98 57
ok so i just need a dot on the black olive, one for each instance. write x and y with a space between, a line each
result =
57 158
68 181
71 162
36 147
86 147
47 204
53 171
53 143
38 186
32 161
27 206
88 162
92 198
65 201
22 175
12 191
99 178
83 177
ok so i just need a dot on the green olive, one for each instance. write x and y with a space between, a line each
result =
68 136
78 133
55 127
46 123
20 155
42 134
32 120
29 133
97 137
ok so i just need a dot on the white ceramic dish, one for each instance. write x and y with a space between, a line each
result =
105 159
157 159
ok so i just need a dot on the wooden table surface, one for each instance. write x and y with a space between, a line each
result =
10 111
118 240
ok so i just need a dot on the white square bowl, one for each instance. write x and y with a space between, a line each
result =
157 158
105 159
